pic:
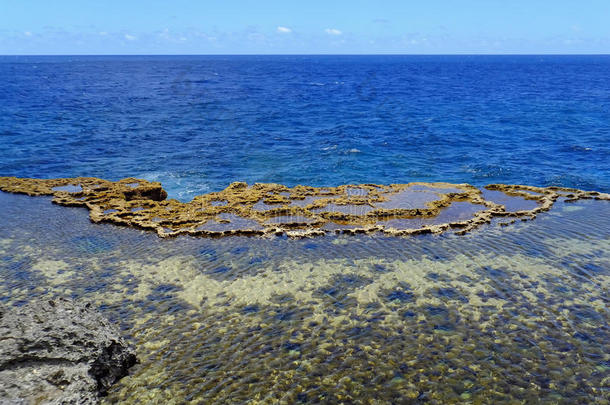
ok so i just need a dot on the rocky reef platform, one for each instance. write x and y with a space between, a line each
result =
300 211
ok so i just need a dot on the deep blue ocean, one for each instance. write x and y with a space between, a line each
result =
198 123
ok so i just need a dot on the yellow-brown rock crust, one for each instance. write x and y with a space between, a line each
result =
268 209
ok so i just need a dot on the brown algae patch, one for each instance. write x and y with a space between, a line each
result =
448 307
301 211
318 328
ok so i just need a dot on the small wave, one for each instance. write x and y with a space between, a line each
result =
579 148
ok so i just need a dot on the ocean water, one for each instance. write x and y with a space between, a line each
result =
197 123
502 315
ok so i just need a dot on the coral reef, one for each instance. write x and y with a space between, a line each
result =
301 211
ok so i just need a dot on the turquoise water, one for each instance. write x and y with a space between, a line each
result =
502 315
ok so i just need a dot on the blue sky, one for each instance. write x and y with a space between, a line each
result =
314 26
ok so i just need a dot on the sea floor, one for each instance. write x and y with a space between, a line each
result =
509 315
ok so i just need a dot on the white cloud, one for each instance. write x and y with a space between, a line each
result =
27 34
103 33
333 31
130 37
284 30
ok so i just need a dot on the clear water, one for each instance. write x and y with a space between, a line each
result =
503 315
509 315
197 123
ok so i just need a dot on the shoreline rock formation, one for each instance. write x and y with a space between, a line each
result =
57 351
301 211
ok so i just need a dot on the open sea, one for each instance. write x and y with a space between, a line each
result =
502 315
197 123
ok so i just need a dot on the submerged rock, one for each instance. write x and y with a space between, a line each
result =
56 351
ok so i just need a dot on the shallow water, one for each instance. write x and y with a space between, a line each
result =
511 203
501 315
456 212
231 222
408 199
69 188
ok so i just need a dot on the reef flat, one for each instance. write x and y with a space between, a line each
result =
503 315
300 211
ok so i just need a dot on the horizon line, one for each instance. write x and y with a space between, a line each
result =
308 54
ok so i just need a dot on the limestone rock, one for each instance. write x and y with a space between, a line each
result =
300 211
57 351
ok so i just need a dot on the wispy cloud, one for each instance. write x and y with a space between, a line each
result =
256 36
284 39
164 33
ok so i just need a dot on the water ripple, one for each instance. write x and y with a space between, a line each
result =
501 315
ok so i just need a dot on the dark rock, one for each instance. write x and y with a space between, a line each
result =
56 351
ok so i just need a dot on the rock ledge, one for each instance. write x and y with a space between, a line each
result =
57 351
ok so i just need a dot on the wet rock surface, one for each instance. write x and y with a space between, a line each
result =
57 351
300 211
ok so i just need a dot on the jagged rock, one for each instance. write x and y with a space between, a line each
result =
57 351
300 211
